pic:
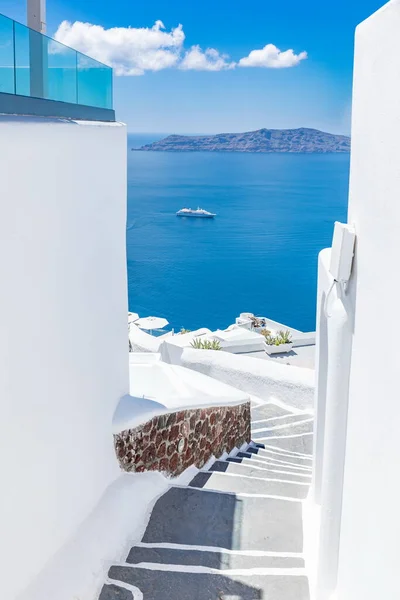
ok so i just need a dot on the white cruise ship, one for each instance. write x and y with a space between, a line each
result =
199 212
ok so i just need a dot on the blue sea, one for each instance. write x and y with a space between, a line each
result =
275 213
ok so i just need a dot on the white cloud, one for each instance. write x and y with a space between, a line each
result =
272 58
135 50
129 50
208 60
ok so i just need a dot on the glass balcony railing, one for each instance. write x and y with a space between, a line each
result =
32 64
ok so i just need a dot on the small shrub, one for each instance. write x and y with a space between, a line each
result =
197 343
282 337
183 330
200 344
265 332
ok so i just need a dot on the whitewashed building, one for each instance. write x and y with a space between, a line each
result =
63 300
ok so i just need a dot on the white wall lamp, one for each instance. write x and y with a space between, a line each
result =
344 238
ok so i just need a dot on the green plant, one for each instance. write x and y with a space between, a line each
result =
197 343
285 336
282 337
183 330
200 344
215 345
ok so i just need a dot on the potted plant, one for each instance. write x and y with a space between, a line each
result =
279 343
199 344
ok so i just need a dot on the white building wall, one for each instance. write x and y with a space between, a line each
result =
63 331
370 523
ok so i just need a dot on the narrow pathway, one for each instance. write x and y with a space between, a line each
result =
236 531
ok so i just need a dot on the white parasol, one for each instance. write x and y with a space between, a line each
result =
132 317
151 323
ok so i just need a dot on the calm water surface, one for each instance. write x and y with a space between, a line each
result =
275 213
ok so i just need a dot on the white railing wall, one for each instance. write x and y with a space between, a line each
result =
333 358
265 379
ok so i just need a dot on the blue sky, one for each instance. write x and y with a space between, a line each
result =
176 95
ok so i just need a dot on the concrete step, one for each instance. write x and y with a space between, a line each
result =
250 469
252 449
267 411
157 584
270 464
239 484
234 459
303 426
244 455
193 516
115 592
112 591
301 443
212 558
282 420
271 452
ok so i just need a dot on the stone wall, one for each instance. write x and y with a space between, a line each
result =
175 441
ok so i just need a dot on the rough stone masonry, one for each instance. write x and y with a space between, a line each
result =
170 443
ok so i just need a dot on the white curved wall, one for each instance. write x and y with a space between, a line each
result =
266 379
335 322
64 351
370 529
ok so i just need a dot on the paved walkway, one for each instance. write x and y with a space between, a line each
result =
235 533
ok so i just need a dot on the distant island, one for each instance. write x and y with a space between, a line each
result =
262 140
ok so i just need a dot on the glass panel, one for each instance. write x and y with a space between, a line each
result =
44 68
32 64
61 72
94 83
22 61
7 85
